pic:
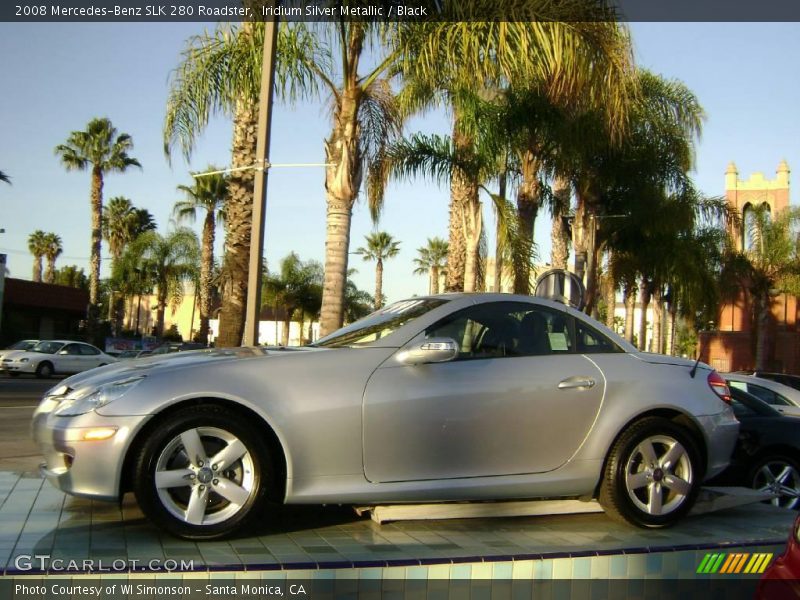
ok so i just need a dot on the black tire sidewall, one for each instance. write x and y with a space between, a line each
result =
165 431
625 446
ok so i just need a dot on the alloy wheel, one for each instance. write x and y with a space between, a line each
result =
658 475
781 479
204 476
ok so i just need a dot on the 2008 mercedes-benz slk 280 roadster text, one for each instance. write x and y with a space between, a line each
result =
441 398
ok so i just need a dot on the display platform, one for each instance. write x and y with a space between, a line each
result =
83 538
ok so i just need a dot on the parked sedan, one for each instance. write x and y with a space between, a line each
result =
20 346
454 397
793 381
781 397
56 356
767 455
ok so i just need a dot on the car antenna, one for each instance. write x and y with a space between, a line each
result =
693 372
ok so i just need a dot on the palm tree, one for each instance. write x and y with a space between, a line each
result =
72 276
167 261
297 289
37 245
357 303
206 194
432 259
53 249
4 177
380 246
768 267
101 149
118 225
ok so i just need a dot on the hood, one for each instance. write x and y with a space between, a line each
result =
13 353
176 361
17 354
663 359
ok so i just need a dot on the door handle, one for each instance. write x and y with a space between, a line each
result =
576 382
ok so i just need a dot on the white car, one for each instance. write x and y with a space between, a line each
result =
55 356
17 348
781 397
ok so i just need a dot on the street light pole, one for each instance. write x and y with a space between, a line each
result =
260 189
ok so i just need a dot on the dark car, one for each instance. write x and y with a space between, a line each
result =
767 454
793 381
171 347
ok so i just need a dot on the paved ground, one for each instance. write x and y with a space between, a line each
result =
18 397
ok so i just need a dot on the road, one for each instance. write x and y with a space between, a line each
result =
18 398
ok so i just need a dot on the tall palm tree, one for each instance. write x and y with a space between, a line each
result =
4 177
380 246
206 194
101 149
53 249
770 266
37 245
432 259
168 261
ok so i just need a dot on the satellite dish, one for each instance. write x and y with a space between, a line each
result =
562 286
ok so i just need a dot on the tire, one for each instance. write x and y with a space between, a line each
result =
780 474
225 500
657 493
44 370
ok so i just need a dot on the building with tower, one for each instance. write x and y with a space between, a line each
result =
730 345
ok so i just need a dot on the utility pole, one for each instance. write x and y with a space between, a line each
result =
260 190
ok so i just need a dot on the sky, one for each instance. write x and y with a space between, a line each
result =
57 77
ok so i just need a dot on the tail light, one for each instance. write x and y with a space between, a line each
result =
717 383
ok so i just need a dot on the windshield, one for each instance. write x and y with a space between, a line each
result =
379 324
47 347
23 345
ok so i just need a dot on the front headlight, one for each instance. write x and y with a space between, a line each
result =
106 393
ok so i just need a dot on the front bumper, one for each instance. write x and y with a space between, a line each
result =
9 367
76 466
722 431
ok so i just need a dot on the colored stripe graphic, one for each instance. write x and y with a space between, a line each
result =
724 563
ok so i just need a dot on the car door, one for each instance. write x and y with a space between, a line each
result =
68 359
516 400
90 357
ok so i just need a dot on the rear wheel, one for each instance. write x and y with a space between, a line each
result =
777 474
652 475
203 473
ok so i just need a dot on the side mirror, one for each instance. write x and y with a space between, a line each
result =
433 350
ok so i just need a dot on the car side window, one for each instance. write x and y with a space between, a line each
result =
87 350
590 341
72 349
505 329
767 396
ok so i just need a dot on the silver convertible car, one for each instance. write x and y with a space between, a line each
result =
442 398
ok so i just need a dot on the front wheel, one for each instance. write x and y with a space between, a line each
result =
204 473
44 370
652 475
779 475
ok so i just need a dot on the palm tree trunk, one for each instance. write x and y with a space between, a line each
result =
762 332
287 323
528 201
97 214
460 194
611 300
206 268
50 273
434 283
497 284
342 182
378 284
37 269
559 233
672 318
238 224
630 310
472 235
162 307
645 294
658 320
